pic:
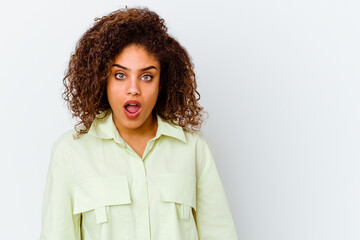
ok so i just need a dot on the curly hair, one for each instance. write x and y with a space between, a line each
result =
89 67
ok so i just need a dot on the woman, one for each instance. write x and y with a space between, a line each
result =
135 167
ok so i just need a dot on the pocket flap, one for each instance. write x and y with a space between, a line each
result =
101 191
177 188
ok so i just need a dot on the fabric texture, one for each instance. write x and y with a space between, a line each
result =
99 188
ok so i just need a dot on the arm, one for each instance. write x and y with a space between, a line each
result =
213 217
57 219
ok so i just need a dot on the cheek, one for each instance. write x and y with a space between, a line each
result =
114 93
114 88
151 97
155 94
109 92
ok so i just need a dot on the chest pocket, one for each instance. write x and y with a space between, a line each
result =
104 203
177 193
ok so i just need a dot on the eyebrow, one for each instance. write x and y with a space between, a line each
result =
142 69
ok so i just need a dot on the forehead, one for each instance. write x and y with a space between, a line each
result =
136 56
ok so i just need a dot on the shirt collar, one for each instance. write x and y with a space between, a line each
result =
104 127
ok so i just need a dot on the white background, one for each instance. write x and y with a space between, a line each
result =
279 78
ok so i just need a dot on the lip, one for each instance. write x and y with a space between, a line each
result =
132 102
132 115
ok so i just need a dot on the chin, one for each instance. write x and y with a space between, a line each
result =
134 123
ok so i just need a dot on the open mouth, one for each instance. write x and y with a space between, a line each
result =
132 109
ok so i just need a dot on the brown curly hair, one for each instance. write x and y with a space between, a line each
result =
89 67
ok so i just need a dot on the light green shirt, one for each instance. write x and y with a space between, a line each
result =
98 188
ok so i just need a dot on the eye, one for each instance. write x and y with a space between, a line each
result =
146 77
119 76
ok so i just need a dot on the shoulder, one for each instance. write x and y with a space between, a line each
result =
63 140
198 140
195 137
202 151
68 141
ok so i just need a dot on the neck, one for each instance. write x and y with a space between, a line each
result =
145 131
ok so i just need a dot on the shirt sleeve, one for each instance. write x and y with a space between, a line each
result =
213 217
57 219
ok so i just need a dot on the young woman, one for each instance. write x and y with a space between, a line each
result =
135 167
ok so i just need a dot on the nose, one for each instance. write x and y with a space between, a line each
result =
133 88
